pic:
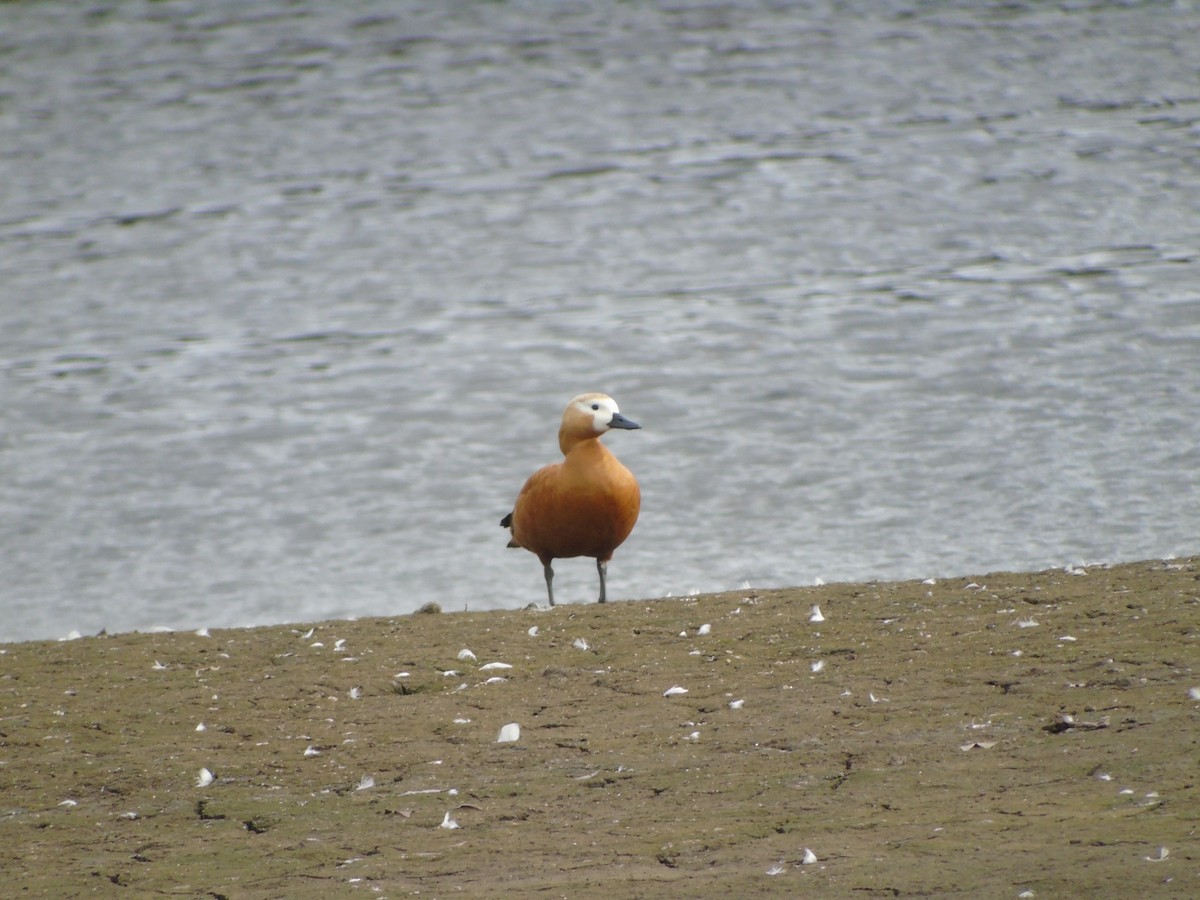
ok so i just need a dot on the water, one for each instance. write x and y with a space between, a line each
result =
293 295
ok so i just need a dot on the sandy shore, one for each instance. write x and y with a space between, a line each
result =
1001 735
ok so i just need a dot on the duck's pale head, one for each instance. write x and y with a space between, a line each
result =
589 416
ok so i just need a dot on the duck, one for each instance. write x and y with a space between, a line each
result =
585 505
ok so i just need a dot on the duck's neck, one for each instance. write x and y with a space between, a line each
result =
569 439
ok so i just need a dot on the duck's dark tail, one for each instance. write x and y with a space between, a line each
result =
506 522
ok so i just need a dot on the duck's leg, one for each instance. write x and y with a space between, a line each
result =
549 572
602 568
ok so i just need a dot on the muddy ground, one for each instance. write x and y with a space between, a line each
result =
1004 735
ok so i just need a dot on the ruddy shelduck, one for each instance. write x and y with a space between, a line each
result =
585 505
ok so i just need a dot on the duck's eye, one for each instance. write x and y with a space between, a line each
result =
595 406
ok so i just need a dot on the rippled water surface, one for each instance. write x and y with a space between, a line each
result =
293 295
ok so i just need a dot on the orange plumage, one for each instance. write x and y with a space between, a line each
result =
585 505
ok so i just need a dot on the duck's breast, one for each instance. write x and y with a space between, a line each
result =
584 506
